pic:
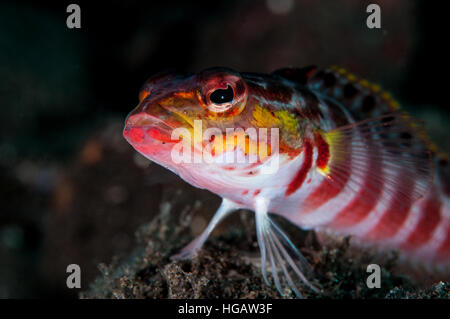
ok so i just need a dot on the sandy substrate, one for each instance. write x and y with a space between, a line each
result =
229 266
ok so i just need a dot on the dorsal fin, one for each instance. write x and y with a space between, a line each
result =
361 97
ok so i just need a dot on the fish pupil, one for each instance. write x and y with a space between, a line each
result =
221 96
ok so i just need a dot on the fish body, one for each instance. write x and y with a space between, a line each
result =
320 147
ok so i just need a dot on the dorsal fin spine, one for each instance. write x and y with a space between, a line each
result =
373 87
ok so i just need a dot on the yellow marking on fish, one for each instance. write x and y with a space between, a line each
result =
288 120
338 69
333 138
434 149
364 83
228 142
386 96
285 119
394 105
351 77
264 118
375 88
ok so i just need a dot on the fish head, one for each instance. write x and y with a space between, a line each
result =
218 115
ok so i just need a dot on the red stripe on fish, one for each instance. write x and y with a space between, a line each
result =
365 200
327 189
430 217
394 217
303 171
323 150
325 192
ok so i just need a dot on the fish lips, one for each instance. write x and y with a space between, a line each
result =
152 126
147 129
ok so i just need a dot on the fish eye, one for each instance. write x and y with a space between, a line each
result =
222 92
221 96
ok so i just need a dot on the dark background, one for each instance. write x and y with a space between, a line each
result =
73 191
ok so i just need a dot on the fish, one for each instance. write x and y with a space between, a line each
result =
320 147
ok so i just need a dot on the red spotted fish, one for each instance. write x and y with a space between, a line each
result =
319 147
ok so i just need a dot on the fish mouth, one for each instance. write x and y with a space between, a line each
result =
148 128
